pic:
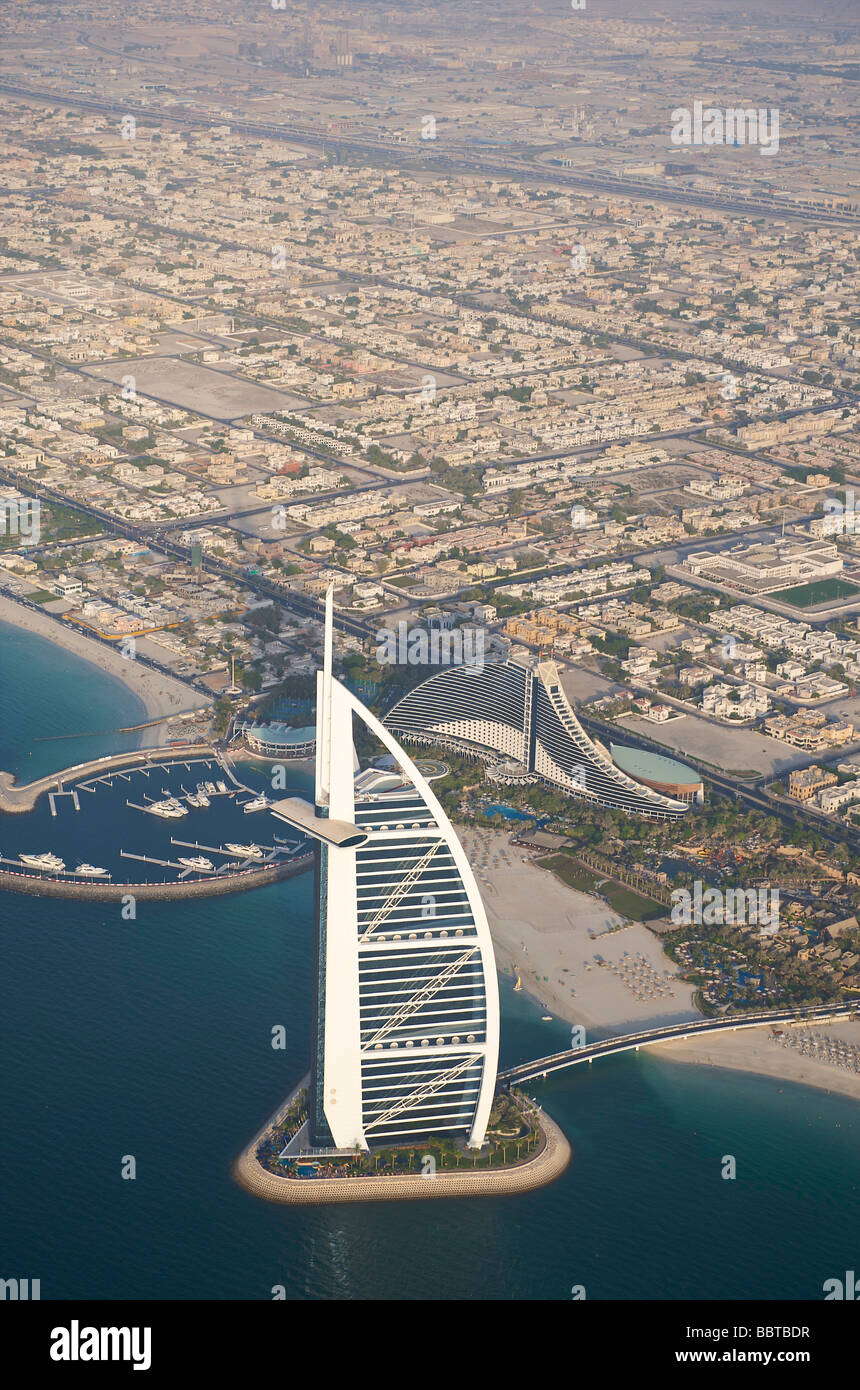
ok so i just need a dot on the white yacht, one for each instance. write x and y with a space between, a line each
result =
197 862
259 803
247 851
91 871
202 798
171 809
222 786
42 861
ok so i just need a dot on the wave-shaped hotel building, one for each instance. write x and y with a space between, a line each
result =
519 711
406 1010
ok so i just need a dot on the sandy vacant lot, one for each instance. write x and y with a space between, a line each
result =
733 750
219 394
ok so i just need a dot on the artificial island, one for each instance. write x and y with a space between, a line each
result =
401 1098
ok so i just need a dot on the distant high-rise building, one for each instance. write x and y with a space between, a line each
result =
343 50
520 711
406 1010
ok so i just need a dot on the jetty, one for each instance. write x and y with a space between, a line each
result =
42 886
18 799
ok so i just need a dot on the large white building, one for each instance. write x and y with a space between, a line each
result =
519 710
764 568
406 1014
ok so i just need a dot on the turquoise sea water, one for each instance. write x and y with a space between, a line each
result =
46 692
152 1038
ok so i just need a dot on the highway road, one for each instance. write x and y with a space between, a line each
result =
433 155
299 603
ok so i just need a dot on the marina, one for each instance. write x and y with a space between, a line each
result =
132 805
19 798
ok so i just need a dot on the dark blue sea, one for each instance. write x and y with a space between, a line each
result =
151 1038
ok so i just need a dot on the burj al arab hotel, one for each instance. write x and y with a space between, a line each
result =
406 1011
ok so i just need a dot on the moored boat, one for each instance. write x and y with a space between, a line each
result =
197 862
46 862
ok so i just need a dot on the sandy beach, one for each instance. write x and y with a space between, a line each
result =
161 695
760 1050
542 929
541 932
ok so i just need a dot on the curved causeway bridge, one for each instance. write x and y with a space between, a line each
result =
630 1042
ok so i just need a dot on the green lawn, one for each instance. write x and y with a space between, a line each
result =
573 874
808 595
623 900
629 904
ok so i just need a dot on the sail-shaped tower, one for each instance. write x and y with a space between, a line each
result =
406 1009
